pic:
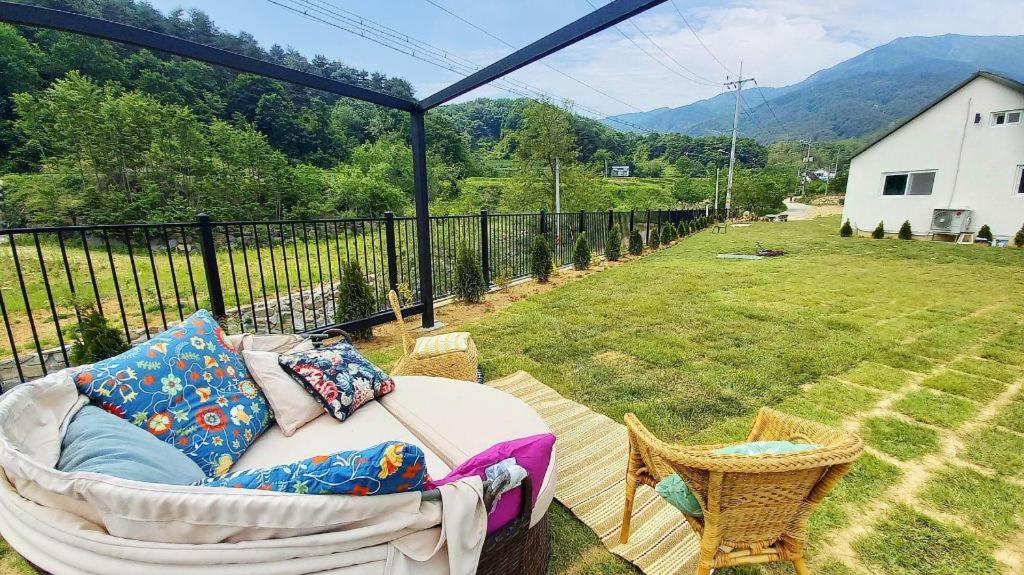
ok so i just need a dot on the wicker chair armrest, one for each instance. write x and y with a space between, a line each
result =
319 337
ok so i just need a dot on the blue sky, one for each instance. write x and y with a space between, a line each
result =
780 41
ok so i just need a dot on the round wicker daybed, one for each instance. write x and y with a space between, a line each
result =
90 523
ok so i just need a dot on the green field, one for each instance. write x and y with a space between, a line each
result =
892 338
917 346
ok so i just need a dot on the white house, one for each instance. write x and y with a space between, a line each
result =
952 167
619 172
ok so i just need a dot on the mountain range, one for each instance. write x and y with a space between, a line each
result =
858 97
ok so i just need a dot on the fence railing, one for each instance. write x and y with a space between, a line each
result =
279 276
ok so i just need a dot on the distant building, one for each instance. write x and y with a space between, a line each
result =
954 166
823 175
619 172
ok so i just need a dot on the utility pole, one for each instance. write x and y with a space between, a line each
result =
738 84
834 174
718 172
558 199
803 173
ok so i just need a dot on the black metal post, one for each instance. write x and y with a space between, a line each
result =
209 253
418 135
610 217
543 224
647 223
389 236
485 248
583 221
631 220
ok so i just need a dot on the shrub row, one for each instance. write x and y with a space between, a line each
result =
905 233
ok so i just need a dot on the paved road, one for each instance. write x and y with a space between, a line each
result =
797 211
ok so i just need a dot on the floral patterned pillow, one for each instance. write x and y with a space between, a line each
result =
390 467
189 388
338 377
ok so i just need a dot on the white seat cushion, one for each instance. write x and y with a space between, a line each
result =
459 419
435 345
370 425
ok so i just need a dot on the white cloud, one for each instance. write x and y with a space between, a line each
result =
779 41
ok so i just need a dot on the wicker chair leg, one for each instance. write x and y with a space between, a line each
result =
800 566
704 567
627 512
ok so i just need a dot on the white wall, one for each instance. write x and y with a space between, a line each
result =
988 165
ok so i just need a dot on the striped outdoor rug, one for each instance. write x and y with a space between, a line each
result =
592 452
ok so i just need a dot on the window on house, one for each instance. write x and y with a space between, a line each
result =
1003 118
1020 179
895 185
921 184
908 184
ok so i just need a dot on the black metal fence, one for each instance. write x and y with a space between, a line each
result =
260 276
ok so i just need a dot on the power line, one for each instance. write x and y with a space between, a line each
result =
695 35
669 56
402 43
651 56
545 64
769 106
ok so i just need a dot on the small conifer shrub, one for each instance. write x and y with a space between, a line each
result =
905 233
581 252
846 231
94 339
355 299
636 242
985 233
668 233
653 241
682 229
540 260
879 232
1018 240
613 244
469 276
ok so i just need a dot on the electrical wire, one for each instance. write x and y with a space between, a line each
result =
769 106
545 64
397 41
703 45
652 57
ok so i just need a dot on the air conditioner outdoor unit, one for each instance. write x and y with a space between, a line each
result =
950 221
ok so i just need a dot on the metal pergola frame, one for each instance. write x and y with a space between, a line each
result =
590 24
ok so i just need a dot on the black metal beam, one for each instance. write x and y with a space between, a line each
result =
96 27
604 17
418 135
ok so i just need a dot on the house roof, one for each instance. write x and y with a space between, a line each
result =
1008 82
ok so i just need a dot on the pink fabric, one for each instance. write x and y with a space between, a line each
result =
531 453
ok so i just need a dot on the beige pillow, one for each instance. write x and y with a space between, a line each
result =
293 406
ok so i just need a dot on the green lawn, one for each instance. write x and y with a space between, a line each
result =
893 338
694 345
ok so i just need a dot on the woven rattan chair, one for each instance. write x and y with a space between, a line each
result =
755 507
451 355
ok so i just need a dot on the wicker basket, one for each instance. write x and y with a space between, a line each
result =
755 506
453 365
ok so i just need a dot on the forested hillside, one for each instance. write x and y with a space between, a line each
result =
861 96
96 132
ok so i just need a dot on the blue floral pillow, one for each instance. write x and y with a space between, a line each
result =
390 467
189 388
338 377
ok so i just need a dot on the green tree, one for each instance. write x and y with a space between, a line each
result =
653 237
469 275
540 260
668 233
846 230
985 232
355 298
581 252
1018 240
905 232
93 338
543 138
879 231
613 244
636 243
682 229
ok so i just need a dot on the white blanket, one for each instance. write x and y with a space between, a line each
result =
91 523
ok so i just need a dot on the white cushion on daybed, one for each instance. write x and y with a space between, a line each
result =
459 419
369 425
